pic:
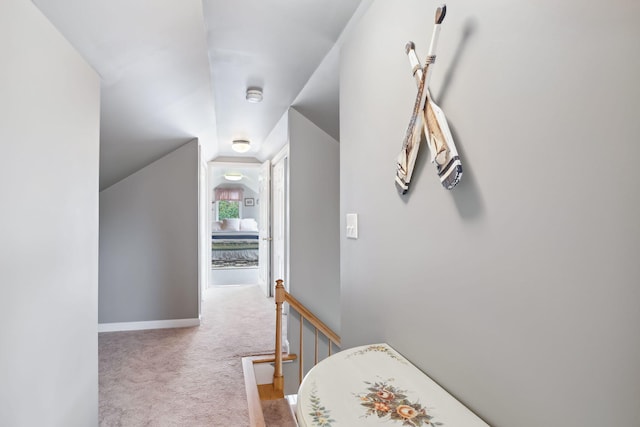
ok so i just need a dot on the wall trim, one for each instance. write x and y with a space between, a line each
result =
150 324
282 153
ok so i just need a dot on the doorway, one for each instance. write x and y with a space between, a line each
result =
236 217
234 221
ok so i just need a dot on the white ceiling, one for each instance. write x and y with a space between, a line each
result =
174 70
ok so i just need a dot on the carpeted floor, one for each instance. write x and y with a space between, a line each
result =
188 376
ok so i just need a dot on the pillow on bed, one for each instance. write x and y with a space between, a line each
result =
248 224
216 226
231 224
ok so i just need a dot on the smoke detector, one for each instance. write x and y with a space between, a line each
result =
254 95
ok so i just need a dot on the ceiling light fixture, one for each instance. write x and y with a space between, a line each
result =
240 145
233 176
254 95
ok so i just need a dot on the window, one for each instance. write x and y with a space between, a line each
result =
227 209
228 202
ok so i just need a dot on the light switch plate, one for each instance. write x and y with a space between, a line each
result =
352 226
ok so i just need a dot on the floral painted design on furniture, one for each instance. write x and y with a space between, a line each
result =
378 349
321 415
387 401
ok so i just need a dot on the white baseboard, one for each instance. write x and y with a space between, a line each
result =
151 324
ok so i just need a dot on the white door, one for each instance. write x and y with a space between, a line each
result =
264 245
279 221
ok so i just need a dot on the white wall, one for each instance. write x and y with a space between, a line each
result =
49 130
149 242
251 211
517 291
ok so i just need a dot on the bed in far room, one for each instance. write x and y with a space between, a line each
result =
234 244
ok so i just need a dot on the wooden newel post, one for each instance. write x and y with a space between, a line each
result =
278 379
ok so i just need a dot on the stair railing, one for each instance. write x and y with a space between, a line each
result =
281 297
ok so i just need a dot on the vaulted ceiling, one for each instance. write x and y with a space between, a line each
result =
174 70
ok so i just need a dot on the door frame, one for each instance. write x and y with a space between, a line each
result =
264 228
282 155
213 164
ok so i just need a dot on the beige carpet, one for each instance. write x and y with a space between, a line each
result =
188 376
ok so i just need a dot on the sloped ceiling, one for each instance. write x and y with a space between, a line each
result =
174 70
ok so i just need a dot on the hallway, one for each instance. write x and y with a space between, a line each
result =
187 376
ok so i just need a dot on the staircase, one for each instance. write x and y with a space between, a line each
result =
268 406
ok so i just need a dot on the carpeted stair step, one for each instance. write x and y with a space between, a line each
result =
277 413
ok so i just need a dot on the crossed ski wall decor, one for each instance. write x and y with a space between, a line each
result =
428 117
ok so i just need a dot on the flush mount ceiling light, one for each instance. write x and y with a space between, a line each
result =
233 176
254 95
240 145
